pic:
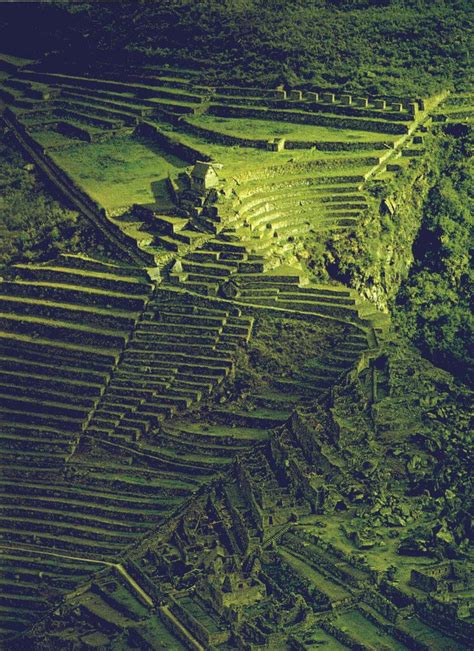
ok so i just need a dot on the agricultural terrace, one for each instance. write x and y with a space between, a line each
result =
122 171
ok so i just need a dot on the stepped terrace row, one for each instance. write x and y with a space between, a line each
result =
63 326
68 521
79 107
177 355
224 268
183 97
32 581
58 530
108 105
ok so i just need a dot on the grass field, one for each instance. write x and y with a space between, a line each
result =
237 159
122 171
250 128
364 631
49 138
326 586
318 638
430 637
233 157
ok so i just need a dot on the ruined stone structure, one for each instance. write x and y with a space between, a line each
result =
168 482
204 177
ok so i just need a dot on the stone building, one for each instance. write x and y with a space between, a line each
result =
449 576
204 176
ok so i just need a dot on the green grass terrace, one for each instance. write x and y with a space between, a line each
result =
121 172
254 128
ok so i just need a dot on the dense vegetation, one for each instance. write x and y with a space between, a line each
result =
394 46
391 46
417 262
433 307
33 225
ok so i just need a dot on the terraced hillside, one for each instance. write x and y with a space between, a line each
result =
152 124
260 560
457 108
64 325
129 391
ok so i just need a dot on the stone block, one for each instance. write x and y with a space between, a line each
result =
278 144
327 98
346 99
380 104
295 95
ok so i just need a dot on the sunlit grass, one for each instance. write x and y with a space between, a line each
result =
252 128
121 172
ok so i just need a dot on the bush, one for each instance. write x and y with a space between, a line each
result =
432 308
404 47
33 225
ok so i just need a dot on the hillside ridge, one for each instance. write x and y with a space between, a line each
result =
194 408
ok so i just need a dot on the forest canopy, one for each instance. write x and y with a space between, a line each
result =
388 46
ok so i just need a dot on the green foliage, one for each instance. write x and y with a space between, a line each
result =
398 46
33 226
376 256
418 260
432 308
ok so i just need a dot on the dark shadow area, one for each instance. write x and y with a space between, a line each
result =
161 192
159 151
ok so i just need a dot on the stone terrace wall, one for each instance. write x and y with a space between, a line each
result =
262 143
310 167
222 138
335 146
173 145
310 118
76 191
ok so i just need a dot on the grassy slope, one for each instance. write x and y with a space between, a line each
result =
248 127
33 225
122 171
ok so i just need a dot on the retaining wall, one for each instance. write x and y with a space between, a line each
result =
171 144
301 117
262 143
